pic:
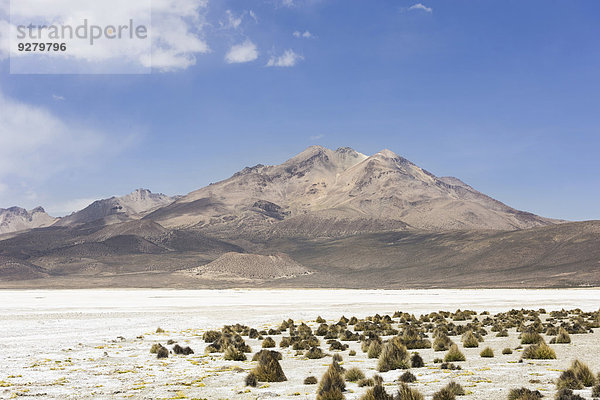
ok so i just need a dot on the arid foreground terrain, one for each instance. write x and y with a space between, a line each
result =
124 344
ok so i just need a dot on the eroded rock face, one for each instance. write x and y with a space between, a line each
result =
17 219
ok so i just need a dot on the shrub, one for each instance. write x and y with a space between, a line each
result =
332 384
268 343
416 361
568 380
444 394
406 393
155 347
337 358
442 343
567 394
470 340
449 366
524 394
583 373
374 350
162 352
268 368
251 380
455 388
352 353
233 354
596 391
377 393
562 337
454 354
186 351
393 356
354 375
487 353
507 351
314 353
531 338
407 377
310 380
211 336
539 352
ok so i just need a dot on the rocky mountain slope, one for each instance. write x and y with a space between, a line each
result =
17 219
341 187
118 209
323 218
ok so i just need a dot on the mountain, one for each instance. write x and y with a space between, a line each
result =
17 219
345 189
118 209
324 218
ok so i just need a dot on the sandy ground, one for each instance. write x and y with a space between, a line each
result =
94 344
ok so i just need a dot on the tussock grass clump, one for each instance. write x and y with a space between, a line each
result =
233 354
268 353
407 377
524 394
393 356
314 353
442 343
502 333
455 388
567 394
562 337
155 347
337 358
251 380
332 384
374 350
354 375
596 392
268 368
583 373
487 353
539 352
310 380
352 353
366 382
160 330
507 350
470 340
162 352
211 336
444 394
268 343
568 380
405 392
454 354
377 393
450 366
416 361
186 351
531 338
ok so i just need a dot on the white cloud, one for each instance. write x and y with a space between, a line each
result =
242 53
58 98
305 35
175 34
287 59
35 146
420 6
232 22
288 3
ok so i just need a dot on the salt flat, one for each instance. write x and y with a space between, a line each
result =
89 344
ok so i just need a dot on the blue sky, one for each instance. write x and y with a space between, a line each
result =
504 95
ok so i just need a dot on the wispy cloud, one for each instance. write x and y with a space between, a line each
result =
305 35
421 7
58 98
316 137
232 21
36 145
242 53
287 59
